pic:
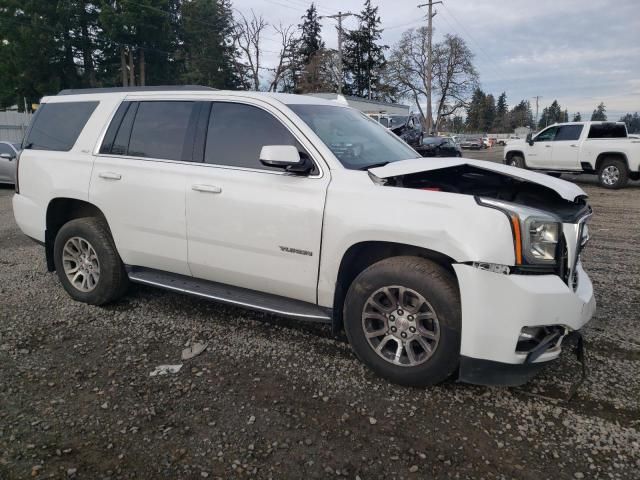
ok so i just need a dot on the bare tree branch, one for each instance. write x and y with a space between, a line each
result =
248 36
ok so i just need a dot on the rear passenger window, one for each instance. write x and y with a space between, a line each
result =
608 130
238 132
159 130
568 132
56 126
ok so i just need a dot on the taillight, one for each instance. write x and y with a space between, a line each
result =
17 185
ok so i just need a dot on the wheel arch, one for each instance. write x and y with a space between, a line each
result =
363 254
512 153
60 210
605 155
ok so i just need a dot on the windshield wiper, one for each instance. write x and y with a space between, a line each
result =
374 165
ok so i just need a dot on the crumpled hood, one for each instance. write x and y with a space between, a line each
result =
567 190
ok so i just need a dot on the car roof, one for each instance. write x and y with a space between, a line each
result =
97 94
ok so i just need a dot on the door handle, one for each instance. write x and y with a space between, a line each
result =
110 175
547 146
574 145
206 188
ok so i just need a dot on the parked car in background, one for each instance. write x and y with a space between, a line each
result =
601 148
439 147
438 268
471 143
8 155
407 127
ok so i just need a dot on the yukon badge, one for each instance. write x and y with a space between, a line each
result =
296 250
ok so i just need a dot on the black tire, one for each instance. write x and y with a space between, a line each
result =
438 287
516 161
605 177
113 280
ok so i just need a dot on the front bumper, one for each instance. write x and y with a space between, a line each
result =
495 308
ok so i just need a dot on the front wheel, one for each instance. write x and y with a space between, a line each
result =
403 320
516 161
613 173
87 262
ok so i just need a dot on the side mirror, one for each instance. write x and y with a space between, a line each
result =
7 156
287 158
530 138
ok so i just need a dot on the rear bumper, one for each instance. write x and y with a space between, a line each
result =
495 309
30 217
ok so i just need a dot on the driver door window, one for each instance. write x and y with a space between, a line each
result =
547 135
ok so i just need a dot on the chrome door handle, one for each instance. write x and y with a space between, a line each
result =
206 188
110 175
574 145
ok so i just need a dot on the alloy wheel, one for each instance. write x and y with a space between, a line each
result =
81 264
401 326
610 175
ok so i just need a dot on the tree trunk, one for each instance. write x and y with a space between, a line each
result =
142 67
123 67
87 53
132 70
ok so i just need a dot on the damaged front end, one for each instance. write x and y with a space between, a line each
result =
515 316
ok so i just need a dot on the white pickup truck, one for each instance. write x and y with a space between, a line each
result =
602 148
302 207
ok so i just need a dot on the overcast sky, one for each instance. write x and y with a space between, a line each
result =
580 52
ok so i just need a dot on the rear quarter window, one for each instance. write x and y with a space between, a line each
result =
608 130
56 126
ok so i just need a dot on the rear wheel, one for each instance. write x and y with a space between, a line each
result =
516 161
87 262
403 320
613 173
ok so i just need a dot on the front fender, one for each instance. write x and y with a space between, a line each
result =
447 223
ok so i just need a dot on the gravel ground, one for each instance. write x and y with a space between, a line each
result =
272 398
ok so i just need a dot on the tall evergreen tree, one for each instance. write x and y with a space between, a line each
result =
489 113
552 114
209 54
476 111
521 115
632 121
310 42
502 113
600 113
308 63
577 117
363 57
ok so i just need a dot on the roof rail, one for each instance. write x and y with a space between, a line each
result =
156 88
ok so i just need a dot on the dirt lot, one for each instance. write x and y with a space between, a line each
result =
277 399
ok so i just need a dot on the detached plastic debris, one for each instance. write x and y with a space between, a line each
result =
194 350
165 369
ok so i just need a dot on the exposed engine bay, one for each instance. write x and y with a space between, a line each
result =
471 180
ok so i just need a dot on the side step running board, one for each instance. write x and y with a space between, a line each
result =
240 297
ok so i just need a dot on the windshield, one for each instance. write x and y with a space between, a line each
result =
356 140
431 140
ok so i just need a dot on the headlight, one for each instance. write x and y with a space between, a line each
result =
541 240
535 233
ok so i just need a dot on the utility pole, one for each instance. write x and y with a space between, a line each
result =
537 97
430 15
339 16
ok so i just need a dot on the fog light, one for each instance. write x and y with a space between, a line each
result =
532 337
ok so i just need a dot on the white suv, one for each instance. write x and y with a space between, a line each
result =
307 208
